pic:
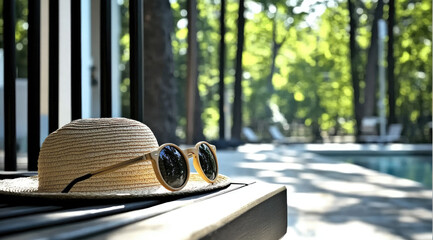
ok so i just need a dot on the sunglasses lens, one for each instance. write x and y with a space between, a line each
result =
173 166
207 161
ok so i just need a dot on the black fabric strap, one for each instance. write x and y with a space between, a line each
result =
75 181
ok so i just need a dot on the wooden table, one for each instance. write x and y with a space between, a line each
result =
241 211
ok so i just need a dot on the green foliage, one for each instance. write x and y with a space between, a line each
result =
413 66
124 66
208 39
179 44
312 82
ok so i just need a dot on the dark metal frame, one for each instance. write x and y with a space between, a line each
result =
53 88
106 59
136 59
9 85
76 59
34 81
34 84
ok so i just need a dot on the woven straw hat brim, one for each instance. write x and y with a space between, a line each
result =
26 189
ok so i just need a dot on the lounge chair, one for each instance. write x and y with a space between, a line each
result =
249 134
278 137
369 126
393 135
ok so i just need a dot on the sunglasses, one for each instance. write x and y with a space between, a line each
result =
171 165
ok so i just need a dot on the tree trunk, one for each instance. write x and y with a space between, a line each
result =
160 107
275 47
372 65
237 103
420 121
194 127
391 63
354 68
222 59
198 123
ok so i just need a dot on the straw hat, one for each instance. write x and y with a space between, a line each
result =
85 145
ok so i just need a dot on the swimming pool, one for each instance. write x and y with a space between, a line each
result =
414 167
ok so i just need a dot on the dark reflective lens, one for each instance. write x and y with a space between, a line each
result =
173 166
207 161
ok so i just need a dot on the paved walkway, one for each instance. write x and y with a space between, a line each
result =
334 200
328 199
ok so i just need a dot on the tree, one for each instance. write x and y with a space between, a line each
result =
391 63
222 60
275 48
237 104
160 107
413 52
372 65
354 62
194 132
312 75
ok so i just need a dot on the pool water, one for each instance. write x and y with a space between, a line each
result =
417 167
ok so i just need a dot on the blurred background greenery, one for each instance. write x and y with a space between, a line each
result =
296 64
312 83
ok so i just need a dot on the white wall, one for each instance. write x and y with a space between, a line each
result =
95 51
64 62
115 59
44 67
86 59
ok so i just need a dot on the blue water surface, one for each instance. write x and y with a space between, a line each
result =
416 167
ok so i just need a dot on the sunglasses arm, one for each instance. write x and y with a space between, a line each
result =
120 165
107 170
213 147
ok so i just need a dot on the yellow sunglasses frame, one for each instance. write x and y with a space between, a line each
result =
154 158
